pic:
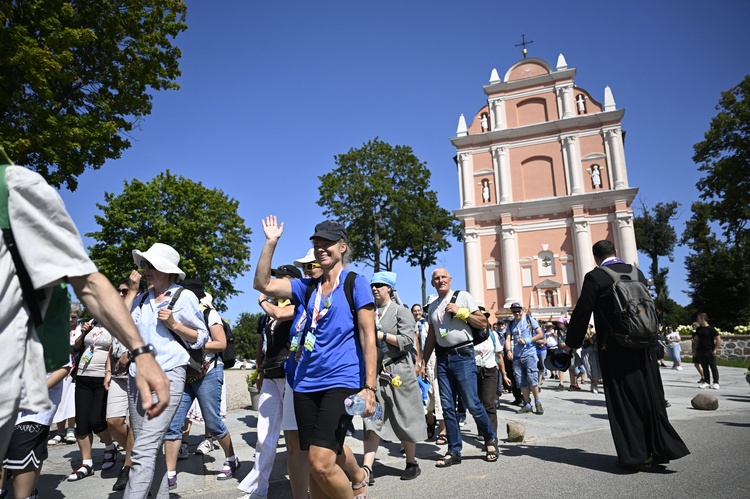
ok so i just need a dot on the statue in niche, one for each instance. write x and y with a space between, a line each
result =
486 191
581 103
550 297
485 124
596 176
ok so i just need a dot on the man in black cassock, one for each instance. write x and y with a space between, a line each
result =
634 393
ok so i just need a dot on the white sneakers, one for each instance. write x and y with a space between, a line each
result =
678 368
704 385
205 447
716 386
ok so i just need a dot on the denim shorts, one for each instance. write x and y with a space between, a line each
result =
525 370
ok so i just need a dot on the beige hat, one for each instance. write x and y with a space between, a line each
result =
163 257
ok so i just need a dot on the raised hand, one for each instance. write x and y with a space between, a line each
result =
271 230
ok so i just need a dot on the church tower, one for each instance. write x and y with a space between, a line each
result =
542 176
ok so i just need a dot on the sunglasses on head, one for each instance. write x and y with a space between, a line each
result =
145 264
310 266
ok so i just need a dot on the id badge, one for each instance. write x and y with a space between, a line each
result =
86 357
295 343
443 332
310 341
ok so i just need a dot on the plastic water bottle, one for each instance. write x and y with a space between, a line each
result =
355 405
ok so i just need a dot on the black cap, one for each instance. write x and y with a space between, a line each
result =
484 311
329 230
287 271
195 286
558 360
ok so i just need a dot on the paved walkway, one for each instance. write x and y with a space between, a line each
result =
565 449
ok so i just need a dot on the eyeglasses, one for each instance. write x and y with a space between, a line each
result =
516 310
145 264
74 317
123 291
311 266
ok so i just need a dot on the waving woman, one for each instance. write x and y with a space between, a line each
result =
336 360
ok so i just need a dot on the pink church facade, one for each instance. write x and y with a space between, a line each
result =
542 176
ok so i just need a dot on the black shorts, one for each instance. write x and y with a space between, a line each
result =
321 418
28 447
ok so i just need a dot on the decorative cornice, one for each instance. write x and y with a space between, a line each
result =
556 127
533 81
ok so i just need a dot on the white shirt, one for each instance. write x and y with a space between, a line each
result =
52 250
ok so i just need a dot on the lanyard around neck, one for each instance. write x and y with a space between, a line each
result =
317 313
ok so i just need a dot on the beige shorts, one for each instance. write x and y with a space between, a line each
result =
117 399
288 419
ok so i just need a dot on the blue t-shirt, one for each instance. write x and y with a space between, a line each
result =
336 359
520 329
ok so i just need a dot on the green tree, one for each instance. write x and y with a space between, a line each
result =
719 269
724 158
78 76
245 331
655 237
376 191
202 224
426 231
716 273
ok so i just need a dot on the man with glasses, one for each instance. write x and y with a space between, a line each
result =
449 334
520 339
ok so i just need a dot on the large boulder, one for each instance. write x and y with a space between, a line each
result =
516 431
705 402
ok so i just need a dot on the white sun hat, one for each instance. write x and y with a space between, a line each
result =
308 258
163 257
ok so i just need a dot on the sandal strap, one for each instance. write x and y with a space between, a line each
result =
366 480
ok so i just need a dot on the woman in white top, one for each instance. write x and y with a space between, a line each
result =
675 351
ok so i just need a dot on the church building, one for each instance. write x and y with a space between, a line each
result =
542 176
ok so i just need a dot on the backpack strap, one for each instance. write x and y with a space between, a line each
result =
349 292
471 339
30 295
171 305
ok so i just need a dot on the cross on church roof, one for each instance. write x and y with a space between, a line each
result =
523 44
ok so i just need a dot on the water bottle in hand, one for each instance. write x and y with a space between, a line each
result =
355 405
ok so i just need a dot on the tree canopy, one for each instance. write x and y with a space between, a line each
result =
719 268
381 192
77 77
202 224
655 237
245 331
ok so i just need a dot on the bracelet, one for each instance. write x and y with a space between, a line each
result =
385 335
108 371
368 387
264 299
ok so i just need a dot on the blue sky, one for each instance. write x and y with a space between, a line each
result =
271 91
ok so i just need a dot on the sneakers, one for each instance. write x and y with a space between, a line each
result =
560 388
462 422
204 447
526 409
701 381
183 452
716 386
704 385
677 368
539 409
229 469
411 472
594 390
172 482
55 440
574 387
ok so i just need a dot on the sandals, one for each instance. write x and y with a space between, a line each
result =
491 455
442 439
364 484
448 460
82 472
110 458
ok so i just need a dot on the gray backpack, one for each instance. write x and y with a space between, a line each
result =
635 322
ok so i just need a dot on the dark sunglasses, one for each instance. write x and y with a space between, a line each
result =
145 264
73 317
378 285
310 266
123 291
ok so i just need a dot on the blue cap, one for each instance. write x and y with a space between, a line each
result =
515 304
387 278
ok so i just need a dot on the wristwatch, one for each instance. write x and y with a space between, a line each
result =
144 349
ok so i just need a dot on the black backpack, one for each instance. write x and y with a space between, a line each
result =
635 324
229 355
